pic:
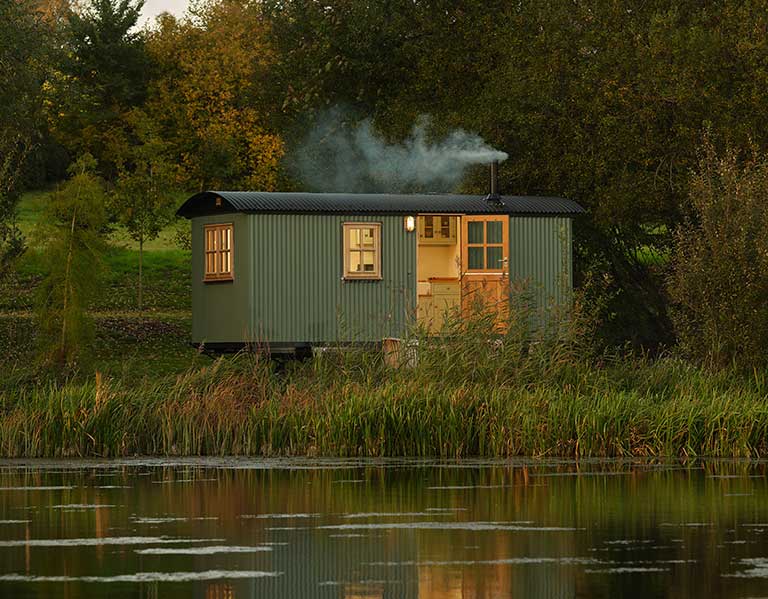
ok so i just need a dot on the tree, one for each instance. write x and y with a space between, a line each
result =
719 280
71 236
601 102
144 195
206 97
23 47
104 73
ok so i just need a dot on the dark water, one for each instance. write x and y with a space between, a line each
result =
219 529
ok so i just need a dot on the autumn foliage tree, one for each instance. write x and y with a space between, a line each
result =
206 96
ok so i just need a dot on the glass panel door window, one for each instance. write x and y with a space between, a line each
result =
485 245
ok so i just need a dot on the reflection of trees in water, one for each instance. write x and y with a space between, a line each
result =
641 502
219 590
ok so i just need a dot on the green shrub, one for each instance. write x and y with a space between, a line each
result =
719 278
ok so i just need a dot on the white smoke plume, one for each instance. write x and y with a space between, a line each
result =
342 158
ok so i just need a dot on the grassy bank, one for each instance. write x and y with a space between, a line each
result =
353 406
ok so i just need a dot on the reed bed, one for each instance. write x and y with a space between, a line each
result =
343 406
471 392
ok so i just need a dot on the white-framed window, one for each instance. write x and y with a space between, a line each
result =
219 248
362 250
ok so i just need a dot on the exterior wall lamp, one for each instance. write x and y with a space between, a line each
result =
410 223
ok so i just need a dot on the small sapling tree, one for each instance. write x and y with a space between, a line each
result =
144 195
71 234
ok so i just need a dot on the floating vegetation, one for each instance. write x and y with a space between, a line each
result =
145 576
207 550
90 542
479 526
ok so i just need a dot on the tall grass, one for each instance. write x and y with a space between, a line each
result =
475 391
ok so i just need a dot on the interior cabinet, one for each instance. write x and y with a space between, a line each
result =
437 229
433 308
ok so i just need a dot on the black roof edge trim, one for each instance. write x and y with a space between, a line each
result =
208 203
193 206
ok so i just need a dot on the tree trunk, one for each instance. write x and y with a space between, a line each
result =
63 345
141 268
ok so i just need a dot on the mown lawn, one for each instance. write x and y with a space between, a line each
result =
124 347
166 281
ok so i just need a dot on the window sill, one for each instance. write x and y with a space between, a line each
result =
219 280
361 278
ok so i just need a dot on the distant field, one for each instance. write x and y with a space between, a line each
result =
166 268
32 205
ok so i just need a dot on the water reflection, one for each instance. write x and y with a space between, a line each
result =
387 528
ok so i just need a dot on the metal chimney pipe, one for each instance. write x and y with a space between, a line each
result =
493 195
494 184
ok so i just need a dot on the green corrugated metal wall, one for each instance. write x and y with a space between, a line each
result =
298 292
220 311
540 258
288 286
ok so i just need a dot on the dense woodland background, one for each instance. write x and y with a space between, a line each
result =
650 113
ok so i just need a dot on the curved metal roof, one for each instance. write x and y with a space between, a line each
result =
215 202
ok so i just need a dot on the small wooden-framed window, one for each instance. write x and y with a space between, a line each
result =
219 249
362 250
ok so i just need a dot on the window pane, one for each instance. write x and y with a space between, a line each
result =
355 264
495 231
354 238
429 231
367 237
210 244
475 233
210 263
368 261
226 265
445 227
495 256
475 258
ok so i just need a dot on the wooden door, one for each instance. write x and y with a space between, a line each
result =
484 263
